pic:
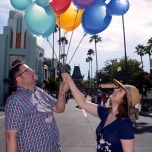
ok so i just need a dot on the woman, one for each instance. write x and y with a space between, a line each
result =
115 131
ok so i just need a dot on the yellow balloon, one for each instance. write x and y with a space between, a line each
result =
67 19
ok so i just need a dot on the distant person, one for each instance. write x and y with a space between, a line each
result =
29 121
98 98
115 132
85 95
93 98
104 99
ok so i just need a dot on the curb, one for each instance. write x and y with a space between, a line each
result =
2 109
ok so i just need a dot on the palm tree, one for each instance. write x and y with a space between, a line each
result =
96 39
55 30
90 53
140 51
53 68
149 49
149 41
64 42
89 59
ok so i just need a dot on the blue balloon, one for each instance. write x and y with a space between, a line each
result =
95 18
40 21
20 4
118 7
42 3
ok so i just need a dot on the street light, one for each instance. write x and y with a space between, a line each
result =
45 68
95 82
118 70
56 77
126 65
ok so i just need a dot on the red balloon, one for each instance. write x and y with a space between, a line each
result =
60 6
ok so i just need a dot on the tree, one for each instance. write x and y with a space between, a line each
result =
47 61
64 42
148 49
109 71
89 59
55 31
140 51
52 85
137 76
139 79
96 39
106 73
60 70
90 53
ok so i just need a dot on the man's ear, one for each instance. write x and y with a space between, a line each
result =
18 79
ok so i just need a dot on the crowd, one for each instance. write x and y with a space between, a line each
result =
99 99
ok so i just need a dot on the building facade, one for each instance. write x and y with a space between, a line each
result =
78 78
17 42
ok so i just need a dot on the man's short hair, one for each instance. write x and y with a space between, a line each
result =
15 68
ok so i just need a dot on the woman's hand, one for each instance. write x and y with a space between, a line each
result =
66 77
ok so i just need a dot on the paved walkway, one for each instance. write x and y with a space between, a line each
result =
77 130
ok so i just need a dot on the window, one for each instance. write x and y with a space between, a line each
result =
16 57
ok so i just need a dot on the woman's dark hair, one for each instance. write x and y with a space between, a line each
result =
123 108
14 70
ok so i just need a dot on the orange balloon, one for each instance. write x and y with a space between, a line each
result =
67 19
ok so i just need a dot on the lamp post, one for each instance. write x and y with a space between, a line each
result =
45 69
100 81
126 65
99 88
143 91
118 70
92 86
56 77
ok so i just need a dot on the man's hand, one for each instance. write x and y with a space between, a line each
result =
64 87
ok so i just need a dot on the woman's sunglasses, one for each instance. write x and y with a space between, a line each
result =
100 134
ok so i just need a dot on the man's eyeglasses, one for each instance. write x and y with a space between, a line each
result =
100 134
27 70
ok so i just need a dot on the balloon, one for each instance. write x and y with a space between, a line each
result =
67 19
118 7
20 4
83 4
60 6
40 21
95 18
42 3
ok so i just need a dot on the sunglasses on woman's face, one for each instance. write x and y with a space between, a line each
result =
100 134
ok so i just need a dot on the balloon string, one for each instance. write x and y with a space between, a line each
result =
59 43
52 48
77 47
54 53
71 35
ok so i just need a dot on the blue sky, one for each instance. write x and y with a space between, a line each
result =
138 28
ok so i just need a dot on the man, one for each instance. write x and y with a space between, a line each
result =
29 121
